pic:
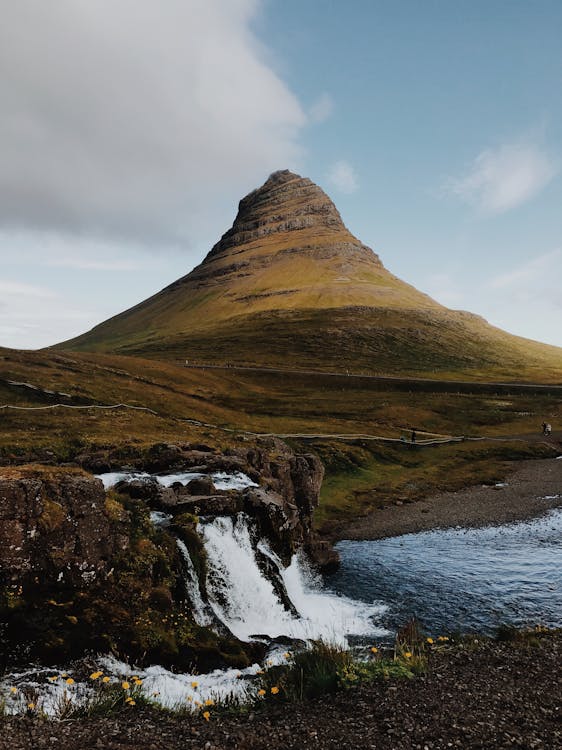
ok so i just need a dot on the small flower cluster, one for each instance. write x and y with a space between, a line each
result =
63 677
274 691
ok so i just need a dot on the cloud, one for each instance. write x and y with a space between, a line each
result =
32 315
125 119
503 178
342 176
17 289
532 279
321 108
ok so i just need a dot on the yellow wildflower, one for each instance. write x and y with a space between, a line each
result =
374 650
287 655
31 706
274 690
13 690
261 692
95 675
209 702
131 702
64 674
69 681
105 679
125 685
194 684
53 678
206 715
407 654
430 641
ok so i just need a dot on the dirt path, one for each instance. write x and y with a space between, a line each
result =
522 496
490 696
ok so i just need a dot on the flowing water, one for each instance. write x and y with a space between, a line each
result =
467 580
248 602
222 481
452 580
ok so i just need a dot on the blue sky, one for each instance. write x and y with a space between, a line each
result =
436 127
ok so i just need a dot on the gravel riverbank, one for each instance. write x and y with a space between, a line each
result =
530 489
486 695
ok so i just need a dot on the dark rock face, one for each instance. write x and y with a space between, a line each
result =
84 570
282 506
285 203
53 525
148 490
200 486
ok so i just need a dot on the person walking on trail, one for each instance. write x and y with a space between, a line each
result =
543 426
413 436
547 429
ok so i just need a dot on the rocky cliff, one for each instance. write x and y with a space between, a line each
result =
85 570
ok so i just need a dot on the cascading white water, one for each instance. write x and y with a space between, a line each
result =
247 603
200 609
221 479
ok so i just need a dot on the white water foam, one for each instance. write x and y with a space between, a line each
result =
246 601
222 481
200 609
159 684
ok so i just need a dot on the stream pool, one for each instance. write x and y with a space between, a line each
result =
460 580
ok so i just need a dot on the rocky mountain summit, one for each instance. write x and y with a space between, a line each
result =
289 285
288 203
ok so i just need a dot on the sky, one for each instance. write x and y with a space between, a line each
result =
130 129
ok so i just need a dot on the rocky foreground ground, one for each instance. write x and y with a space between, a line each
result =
484 695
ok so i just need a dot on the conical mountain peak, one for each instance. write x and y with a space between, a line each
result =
285 203
289 284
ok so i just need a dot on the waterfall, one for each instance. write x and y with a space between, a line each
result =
200 609
245 600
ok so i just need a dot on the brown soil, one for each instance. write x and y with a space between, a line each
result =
520 497
485 695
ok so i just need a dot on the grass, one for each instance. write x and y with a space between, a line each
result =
326 668
360 475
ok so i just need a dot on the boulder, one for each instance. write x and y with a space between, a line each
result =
200 486
54 526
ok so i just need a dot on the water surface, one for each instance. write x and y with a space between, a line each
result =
463 580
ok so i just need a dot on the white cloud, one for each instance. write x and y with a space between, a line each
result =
34 316
503 178
321 108
123 118
342 176
17 289
541 270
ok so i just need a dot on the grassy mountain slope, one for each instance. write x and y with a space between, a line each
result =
289 285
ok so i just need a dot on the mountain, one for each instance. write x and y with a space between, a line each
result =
289 286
